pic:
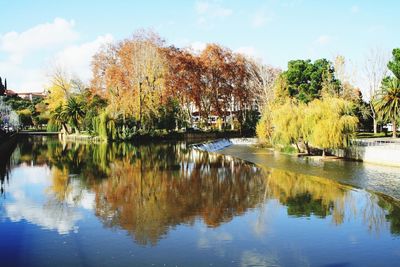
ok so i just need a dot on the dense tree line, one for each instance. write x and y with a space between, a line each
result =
311 107
314 105
387 99
140 85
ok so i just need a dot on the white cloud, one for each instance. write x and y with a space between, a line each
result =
260 19
41 36
212 9
216 239
355 9
197 47
209 11
46 213
48 216
77 58
253 258
202 7
247 51
323 39
22 78
27 54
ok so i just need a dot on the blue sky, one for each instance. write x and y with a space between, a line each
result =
35 35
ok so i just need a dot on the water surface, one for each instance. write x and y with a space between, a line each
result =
71 204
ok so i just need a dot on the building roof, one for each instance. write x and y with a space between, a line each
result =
10 92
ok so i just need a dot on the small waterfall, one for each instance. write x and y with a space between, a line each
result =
214 145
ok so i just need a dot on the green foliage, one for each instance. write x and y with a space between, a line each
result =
394 64
326 123
52 127
250 123
288 149
304 79
387 102
17 103
102 126
170 115
73 112
332 121
93 106
58 119
287 122
264 127
25 116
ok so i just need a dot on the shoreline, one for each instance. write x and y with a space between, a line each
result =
380 179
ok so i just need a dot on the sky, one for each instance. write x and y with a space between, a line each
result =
37 35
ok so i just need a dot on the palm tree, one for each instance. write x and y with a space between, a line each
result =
73 111
59 119
387 102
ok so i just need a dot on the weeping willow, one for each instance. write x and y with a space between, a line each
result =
327 123
332 121
104 127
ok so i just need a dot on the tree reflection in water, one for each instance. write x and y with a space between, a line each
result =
149 189
9 155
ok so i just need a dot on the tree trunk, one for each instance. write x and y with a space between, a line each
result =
394 126
65 128
323 153
231 118
140 107
298 148
374 118
307 148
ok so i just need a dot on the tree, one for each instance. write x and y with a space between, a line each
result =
244 100
387 102
3 87
183 79
304 79
394 64
73 112
130 75
347 91
59 89
375 69
264 127
58 118
287 120
332 122
216 90
262 80
8 117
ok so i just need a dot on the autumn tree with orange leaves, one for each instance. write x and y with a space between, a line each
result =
140 76
130 75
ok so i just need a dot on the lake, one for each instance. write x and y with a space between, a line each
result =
165 204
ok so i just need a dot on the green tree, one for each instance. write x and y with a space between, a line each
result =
264 126
73 112
332 122
58 118
387 102
394 64
287 122
305 79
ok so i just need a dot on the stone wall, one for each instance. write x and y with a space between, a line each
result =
387 154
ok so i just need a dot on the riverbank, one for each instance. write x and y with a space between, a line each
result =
190 137
377 178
